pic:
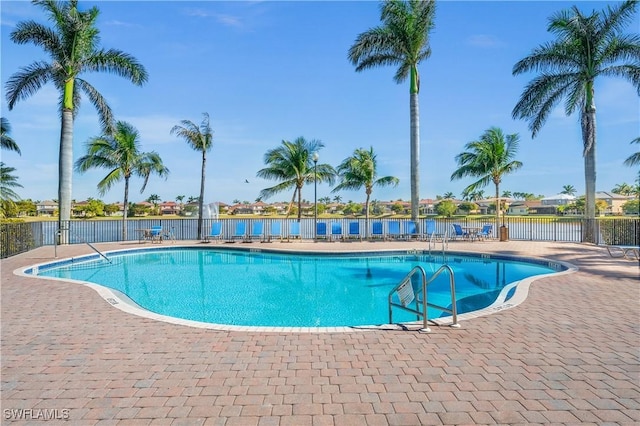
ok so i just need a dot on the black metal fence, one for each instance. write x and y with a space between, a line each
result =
20 237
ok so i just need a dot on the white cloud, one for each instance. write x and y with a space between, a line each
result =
485 41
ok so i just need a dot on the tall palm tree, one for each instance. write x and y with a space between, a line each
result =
120 153
291 163
72 45
489 158
6 141
360 170
200 138
401 40
568 190
586 47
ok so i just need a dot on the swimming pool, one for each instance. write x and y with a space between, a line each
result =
257 287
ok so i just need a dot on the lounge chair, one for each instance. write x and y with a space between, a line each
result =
156 234
275 232
241 232
430 231
294 230
624 252
458 232
410 230
257 231
486 232
321 230
354 230
394 230
377 230
336 231
216 232
170 235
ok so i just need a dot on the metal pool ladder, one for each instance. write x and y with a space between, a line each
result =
407 295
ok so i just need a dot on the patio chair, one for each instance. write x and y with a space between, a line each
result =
458 232
156 234
354 230
377 230
394 230
294 231
321 230
430 231
336 231
170 235
275 232
216 232
624 252
486 232
241 232
410 230
257 231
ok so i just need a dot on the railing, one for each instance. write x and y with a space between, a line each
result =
19 237
406 295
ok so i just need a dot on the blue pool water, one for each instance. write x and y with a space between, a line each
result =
258 288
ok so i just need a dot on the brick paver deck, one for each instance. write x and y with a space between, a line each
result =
568 355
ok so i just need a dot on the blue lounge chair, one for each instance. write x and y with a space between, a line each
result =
156 234
257 231
486 232
377 230
294 230
321 230
216 232
394 230
430 231
241 232
354 230
336 231
410 230
276 231
458 232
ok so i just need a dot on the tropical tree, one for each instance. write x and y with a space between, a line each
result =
568 190
360 170
200 138
623 189
72 45
448 196
634 159
337 199
7 182
292 164
586 47
401 40
489 159
6 142
120 153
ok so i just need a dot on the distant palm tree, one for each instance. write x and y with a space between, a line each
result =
506 194
586 47
7 182
155 200
402 40
360 170
337 199
489 158
623 189
200 138
73 48
569 190
448 196
6 141
291 164
634 159
120 152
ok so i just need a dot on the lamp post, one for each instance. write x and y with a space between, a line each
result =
315 158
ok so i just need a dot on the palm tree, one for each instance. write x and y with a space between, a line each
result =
360 170
120 153
7 182
337 199
488 159
448 196
73 49
200 138
623 189
155 200
586 47
5 140
292 164
634 159
568 190
402 40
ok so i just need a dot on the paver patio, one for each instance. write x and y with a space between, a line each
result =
570 354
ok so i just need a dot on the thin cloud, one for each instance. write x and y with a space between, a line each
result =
485 41
224 19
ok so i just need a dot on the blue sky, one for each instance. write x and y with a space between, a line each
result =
269 71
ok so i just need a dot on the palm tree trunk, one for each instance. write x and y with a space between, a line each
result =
589 139
498 207
125 211
415 157
299 203
65 175
201 202
366 216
